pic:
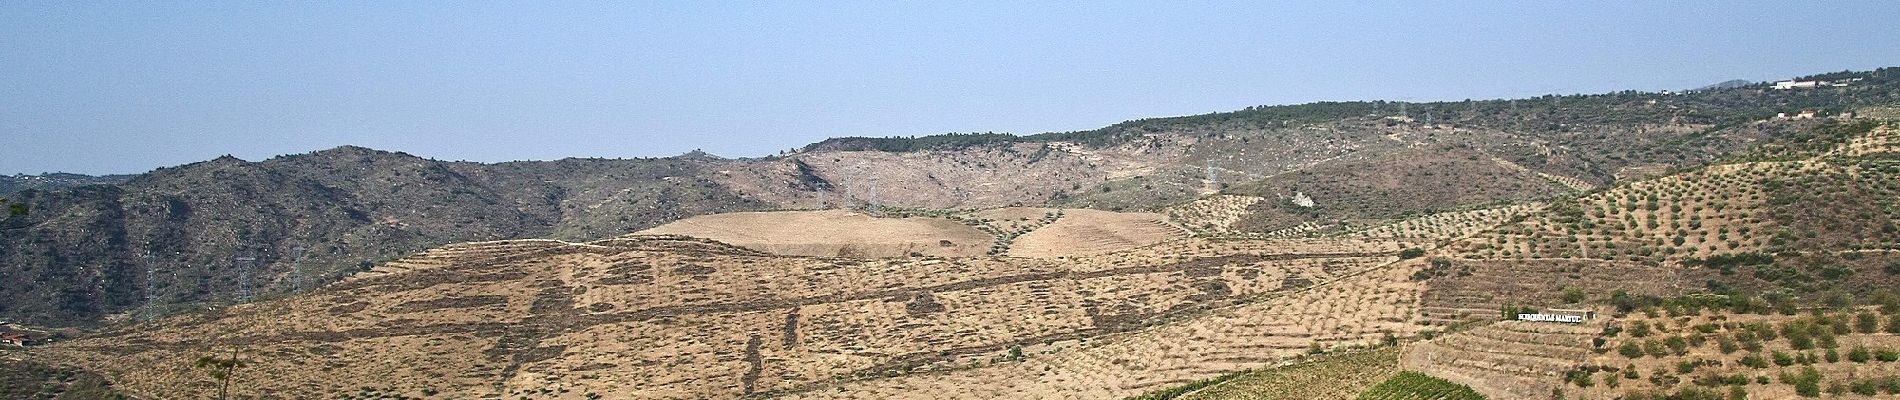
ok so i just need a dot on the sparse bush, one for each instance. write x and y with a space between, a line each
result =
1754 360
1411 253
1630 350
1639 329
1860 354
1887 355
1783 359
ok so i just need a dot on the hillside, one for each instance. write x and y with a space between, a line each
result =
175 236
1807 225
672 317
1072 303
227 229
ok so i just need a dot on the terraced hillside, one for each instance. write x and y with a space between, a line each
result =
673 317
1851 350
1212 215
1508 359
1358 306
1333 376
1462 290
1802 225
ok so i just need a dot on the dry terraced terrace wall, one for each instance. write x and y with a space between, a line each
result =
675 317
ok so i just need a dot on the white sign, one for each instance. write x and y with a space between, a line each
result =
1574 319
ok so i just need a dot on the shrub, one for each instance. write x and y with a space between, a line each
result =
1887 355
1639 329
1808 384
1865 387
1676 344
1783 359
1411 253
1798 336
1574 295
1754 360
1866 322
1860 354
1655 348
1686 367
1631 350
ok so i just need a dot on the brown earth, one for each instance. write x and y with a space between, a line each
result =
1085 232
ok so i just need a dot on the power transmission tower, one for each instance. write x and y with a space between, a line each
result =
850 192
244 264
296 269
871 204
150 259
1213 179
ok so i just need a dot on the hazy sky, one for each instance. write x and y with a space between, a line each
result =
127 86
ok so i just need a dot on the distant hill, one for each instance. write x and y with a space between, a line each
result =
56 180
212 231
1728 84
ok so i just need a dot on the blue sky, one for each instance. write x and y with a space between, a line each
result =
121 87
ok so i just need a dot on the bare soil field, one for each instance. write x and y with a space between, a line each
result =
1084 232
833 233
